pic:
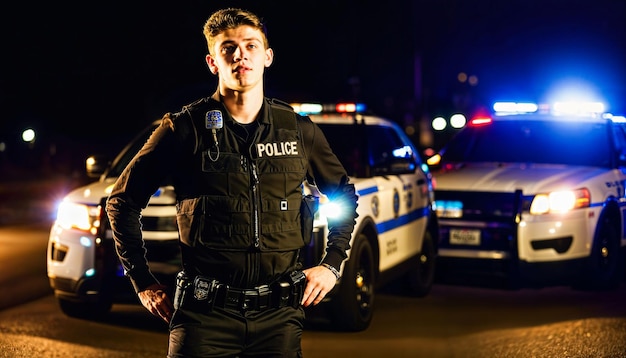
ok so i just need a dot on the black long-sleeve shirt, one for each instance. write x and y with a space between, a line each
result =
174 142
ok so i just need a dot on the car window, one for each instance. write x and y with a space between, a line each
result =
349 144
530 141
359 146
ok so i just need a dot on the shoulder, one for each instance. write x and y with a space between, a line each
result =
277 103
201 105
195 113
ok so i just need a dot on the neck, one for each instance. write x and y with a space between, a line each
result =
242 106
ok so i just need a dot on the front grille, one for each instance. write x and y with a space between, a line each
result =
159 223
163 251
485 206
495 215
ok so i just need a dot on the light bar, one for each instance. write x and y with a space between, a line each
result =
316 108
515 107
614 118
479 121
307 108
578 107
350 107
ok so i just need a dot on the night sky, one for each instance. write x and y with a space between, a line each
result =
89 71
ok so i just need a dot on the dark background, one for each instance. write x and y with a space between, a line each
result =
88 75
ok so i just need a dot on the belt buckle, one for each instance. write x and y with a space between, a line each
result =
249 300
257 299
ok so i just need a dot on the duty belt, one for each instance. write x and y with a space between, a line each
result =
204 293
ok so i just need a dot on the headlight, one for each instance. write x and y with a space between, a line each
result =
448 208
560 201
331 210
78 216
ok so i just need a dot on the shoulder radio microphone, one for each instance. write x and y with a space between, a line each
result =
214 121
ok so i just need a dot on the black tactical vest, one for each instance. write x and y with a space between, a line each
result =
249 196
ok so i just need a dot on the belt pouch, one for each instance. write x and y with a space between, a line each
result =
182 284
283 290
297 280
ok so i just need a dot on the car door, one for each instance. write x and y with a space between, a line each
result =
401 202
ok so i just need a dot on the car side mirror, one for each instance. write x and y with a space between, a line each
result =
96 165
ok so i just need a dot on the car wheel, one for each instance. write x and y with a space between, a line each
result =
420 278
605 264
354 302
85 310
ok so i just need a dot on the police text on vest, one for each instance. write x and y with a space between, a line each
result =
277 149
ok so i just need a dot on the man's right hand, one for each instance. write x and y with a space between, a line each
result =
155 300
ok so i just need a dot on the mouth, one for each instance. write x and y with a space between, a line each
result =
242 69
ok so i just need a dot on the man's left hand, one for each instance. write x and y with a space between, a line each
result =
320 280
155 300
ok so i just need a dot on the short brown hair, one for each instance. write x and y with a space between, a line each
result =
231 18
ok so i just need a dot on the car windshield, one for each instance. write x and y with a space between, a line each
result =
129 152
533 141
359 146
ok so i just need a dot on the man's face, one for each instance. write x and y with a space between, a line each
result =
239 58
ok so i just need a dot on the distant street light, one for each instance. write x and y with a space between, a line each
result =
457 120
439 123
28 135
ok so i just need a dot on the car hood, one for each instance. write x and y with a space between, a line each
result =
530 178
94 192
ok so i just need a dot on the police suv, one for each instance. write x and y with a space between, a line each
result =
534 196
394 238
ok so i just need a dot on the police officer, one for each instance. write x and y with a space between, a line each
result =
237 161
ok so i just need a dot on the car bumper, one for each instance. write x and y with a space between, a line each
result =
541 250
82 268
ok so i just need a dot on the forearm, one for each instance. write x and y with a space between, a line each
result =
129 244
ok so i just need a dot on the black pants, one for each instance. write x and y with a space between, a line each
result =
229 333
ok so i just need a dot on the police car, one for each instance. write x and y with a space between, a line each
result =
396 231
394 238
534 195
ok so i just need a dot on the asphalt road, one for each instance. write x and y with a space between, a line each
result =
451 322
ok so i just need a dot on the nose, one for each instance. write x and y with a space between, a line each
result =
238 55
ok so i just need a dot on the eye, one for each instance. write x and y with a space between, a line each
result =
228 49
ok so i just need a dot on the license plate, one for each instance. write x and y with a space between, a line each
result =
464 237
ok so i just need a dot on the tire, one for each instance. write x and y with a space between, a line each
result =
85 310
354 302
605 265
420 278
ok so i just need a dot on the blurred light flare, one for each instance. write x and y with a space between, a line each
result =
458 120
28 135
439 123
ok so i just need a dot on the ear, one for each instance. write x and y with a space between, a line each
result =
211 63
269 57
